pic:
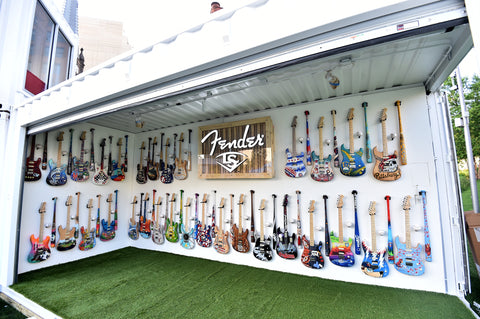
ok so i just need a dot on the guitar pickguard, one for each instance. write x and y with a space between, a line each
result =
312 255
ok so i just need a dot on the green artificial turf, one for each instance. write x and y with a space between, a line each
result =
135 283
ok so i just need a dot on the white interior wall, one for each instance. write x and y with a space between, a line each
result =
417 175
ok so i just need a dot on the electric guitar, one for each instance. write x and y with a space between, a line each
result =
204 238
167 172
132 225
240 237
158 230
352 163
386 166
286 243
88 234
144 222
40 250
408 259
33 172
262 249
57 175
187 239
321 170
67 235
312 254
108 226
141 171
374 263
221 238
171 233
152 166
180 165
341 251
80 167
100 177
295 166
118 173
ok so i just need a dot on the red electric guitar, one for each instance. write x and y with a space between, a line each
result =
33 172
40 250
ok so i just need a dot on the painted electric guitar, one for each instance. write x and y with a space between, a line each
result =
67 235
57 175
262 249
341 251
132 225
187 239
239 236
118 173
108 226
100 177
40 250
144 221
374 262
181 172
88 234
295 166
141 170
80 167
221 238
167 172
322 170
352 163
408 259
312 254
386 166
152 166
158 230
204 238
286 243
171 233
33 172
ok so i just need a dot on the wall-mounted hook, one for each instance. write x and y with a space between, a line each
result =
359 134
392 136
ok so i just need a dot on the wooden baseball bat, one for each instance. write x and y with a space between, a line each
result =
403 150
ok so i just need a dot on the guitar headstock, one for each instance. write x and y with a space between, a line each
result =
285 200
181 137
120 142
222 203
340 201
83 136
69 201
383 116
103 142
90 203
240 201
142 147
204 200
350 114
42 208
371 208
311 208
189 202
134 201
320 122
109 198
262 204
294 121
60 136
406 202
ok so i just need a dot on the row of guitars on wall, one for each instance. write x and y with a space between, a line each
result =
386 166
78 168
68 236
166 226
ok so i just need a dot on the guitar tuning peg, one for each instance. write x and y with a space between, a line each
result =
392 136
359 134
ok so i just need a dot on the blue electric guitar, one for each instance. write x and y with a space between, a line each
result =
204 238
341 251
374 262
322 170
295 166
108 226
80 167
408 259
57 175
187 239
312 254
133 225
352 163
118 173
88 233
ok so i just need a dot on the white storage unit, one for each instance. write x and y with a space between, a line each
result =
226 70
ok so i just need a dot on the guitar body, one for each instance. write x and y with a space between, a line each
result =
145 231
204 237
341 253
67 239
240 240
133 229
295 166
80 170
33 172
374 263
221 241
158 234
40 250
286 245
386 168
167 175
352 163
186 240
322 170
118 173
100 177
141 175
153 172
88 239
57 175
171 234
409 261
262 249
180 169
108 231
312 255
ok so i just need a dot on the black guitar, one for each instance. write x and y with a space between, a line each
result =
312 254
286 243
167 172
262 249
141 170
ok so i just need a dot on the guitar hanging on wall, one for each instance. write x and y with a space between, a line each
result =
57 175
40 250
262 249
158 230
88 234
203 230
221 238
80 167
341 251
286 243
132 225
67 235
181 172
374 263
187 239
118 174
108 226
295 166
386 166
152 165
312 254
171 233
239 236
53 238
32 171
352 163
144 221
100 177
141 170
322 170
167 173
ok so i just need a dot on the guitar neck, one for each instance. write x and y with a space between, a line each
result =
373 232
59 154
262 233
408 242
40 235
350 134
320 144
384 139
45 153
240 226
294 139
340 225
312 238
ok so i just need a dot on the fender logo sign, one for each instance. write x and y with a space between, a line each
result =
241 149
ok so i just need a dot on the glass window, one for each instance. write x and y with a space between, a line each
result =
62 60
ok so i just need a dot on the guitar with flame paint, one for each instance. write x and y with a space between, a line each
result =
40 250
